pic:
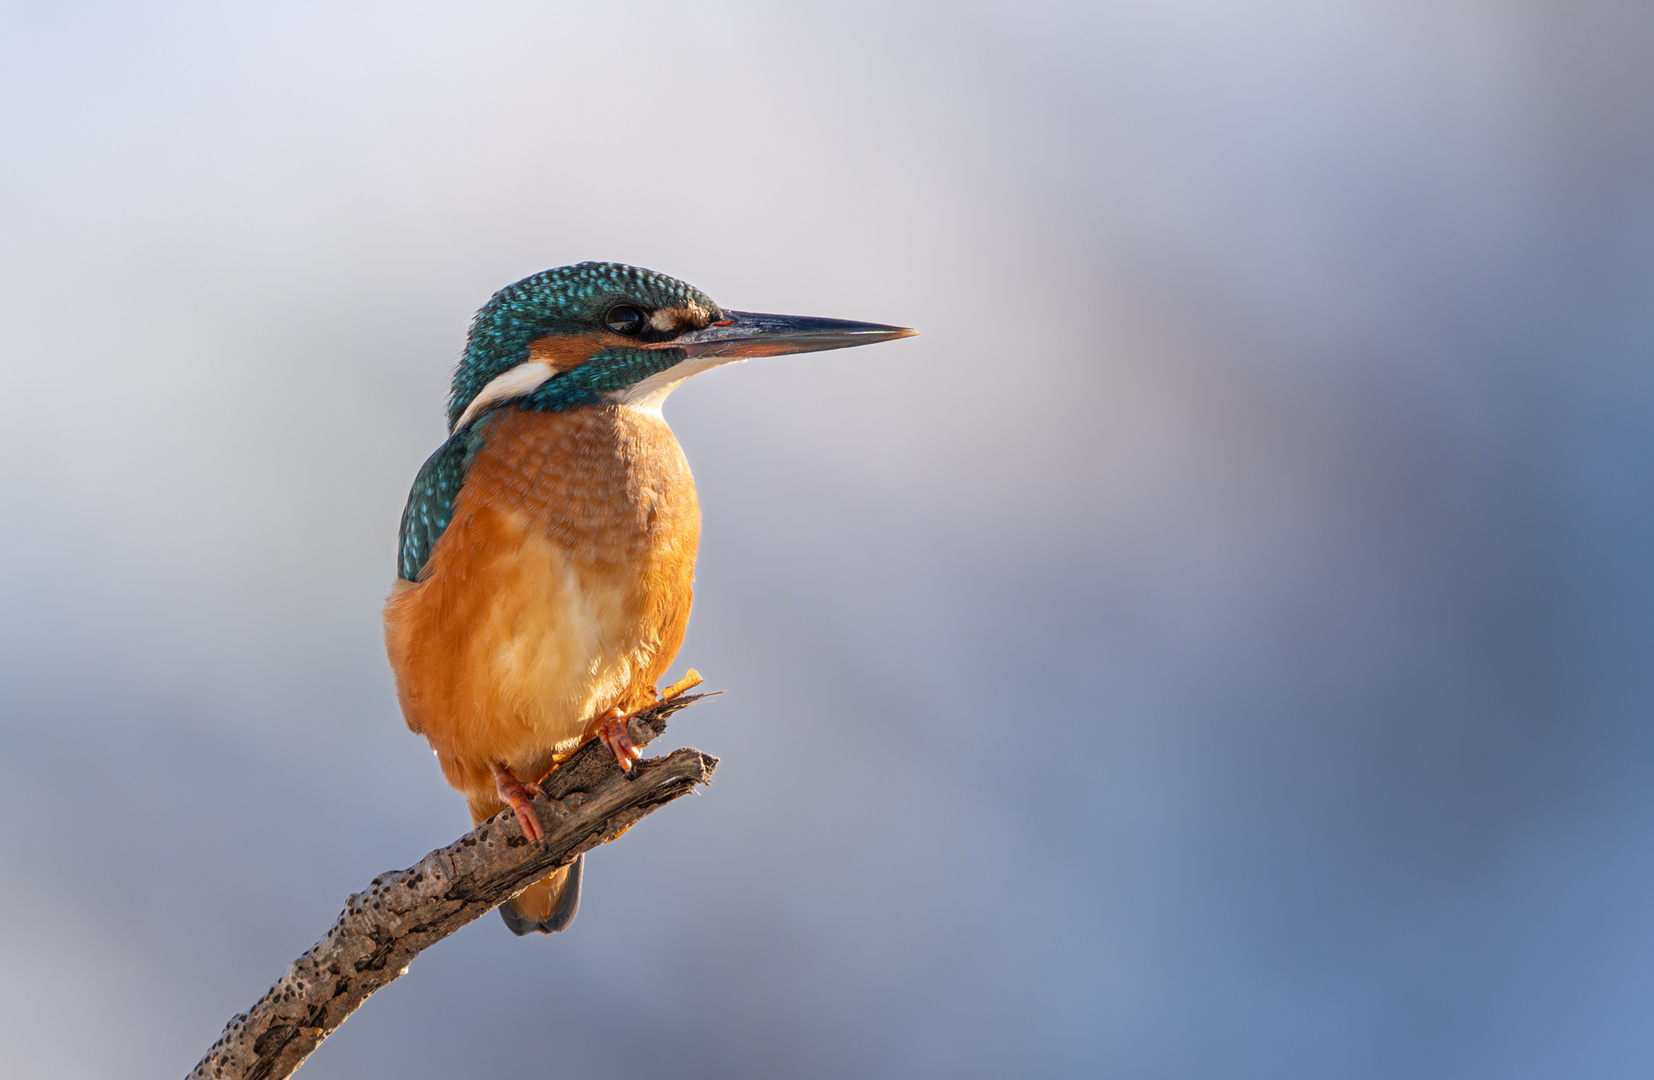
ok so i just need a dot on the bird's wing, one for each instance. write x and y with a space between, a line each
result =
431 500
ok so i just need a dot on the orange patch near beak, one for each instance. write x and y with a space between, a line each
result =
565 352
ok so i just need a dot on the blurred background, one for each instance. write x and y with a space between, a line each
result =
1219 647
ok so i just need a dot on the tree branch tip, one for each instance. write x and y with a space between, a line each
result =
402 912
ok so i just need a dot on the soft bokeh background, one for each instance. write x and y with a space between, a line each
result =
1219 647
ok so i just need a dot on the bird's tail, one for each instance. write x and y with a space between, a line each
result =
548 905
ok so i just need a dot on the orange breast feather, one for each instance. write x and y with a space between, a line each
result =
560 589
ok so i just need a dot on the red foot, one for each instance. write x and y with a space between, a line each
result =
619 740
514 793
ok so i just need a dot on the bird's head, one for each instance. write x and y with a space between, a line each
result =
603 333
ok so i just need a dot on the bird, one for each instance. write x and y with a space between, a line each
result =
546 553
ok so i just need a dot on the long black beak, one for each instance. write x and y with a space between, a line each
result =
745 333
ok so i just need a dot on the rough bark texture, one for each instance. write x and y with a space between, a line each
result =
588 802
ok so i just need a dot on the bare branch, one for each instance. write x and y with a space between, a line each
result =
588 802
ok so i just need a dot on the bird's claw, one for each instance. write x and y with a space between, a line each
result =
617 737
515 794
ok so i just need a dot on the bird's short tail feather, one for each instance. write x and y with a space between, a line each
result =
548 905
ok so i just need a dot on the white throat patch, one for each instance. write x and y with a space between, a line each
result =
650 394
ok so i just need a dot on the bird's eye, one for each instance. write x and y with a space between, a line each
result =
624 319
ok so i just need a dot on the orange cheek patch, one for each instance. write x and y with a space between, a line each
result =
564 352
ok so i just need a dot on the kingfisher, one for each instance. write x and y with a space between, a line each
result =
547 550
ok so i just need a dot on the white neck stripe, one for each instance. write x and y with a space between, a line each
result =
520 381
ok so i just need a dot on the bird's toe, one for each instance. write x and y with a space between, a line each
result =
515 794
